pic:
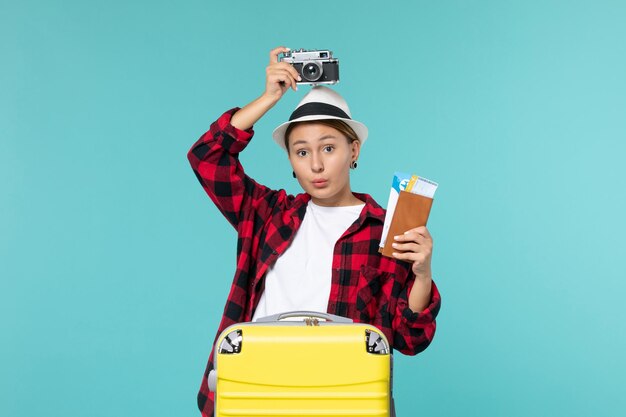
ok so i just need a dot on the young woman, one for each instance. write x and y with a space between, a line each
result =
317 250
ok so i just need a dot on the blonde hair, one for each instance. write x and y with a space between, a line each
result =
339 125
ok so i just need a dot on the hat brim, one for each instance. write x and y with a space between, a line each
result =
359 128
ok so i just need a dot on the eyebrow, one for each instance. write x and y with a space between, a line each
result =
300 141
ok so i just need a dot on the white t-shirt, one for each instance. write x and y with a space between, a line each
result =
301 277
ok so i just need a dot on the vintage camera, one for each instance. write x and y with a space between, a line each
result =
314 66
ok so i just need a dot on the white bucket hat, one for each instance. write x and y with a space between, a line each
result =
318 104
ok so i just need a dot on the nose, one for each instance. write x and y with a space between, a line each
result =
316 163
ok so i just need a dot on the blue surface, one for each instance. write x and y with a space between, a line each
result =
114 264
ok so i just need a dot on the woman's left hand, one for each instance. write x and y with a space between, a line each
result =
417 247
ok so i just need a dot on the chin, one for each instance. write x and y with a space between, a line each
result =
323 194
326 199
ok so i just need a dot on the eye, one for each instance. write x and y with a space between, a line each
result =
301 152
328 148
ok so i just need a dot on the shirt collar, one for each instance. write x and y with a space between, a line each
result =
372 208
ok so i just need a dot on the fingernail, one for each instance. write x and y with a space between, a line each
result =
395 245
299 78
397 237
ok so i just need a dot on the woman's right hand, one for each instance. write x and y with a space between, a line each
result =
280 76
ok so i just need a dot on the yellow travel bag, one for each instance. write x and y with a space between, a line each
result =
302 364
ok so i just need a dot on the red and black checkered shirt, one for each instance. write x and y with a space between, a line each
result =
366 286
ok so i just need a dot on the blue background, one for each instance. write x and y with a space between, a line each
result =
115 265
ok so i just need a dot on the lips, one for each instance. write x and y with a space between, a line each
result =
320 183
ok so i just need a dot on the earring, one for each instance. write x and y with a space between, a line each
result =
353 165
293 173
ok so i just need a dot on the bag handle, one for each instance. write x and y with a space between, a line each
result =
304 314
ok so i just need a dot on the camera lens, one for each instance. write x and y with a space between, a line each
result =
312 71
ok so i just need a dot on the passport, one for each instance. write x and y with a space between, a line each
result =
408 207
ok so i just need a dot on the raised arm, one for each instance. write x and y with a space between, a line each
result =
280 76
214 158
